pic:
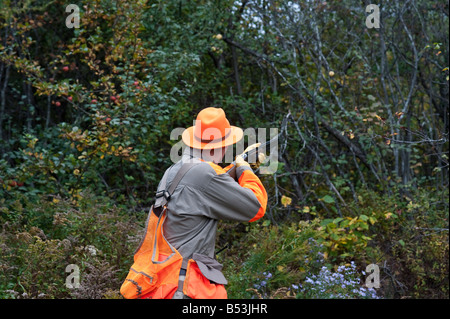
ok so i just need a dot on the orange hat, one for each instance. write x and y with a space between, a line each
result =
211 130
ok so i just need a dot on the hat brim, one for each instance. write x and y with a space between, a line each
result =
233 137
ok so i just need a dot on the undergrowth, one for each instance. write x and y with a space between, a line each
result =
407 239
38 240
320 258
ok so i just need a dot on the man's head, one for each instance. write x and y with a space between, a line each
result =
214 155
212 134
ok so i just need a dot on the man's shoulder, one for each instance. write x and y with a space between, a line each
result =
205 170
200 174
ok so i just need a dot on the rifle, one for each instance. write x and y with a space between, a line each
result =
232 170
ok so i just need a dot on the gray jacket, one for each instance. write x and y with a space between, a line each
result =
201 199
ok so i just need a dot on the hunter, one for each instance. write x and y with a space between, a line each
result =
192 196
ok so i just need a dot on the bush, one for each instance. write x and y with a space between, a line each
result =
345 237
407 239
280 259
40 239
276 257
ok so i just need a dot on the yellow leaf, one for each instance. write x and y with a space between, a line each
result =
352 220
280 268
399 114
285 201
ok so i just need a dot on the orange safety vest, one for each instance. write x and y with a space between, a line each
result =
159 270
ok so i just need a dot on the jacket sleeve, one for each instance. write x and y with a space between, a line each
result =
242 201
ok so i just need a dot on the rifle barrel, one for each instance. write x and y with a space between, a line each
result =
245 155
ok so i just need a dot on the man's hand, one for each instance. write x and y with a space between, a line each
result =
241 162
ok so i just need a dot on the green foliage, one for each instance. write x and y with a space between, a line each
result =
118 97
344 237
39 240
276 257
292 262
411 249
411 236
422 245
